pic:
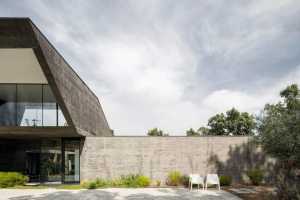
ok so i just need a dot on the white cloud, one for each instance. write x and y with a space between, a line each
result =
173 65
222 100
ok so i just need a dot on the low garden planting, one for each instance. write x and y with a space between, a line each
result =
15 180
12 179
128 181
174 179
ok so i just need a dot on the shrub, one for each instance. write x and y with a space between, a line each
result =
100 183
256 176
134 180
185 180
129 180
92 185
143 181
11 179
225 180
174 178
115 183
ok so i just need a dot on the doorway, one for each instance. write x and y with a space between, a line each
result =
71 160
55 160
33 166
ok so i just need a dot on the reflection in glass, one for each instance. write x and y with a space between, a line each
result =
61 119
49 107
7 105
32 158
29 106
71 161
51 160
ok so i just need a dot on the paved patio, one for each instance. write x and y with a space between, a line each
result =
115 194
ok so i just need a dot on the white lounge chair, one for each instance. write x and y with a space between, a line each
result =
212 179
196 179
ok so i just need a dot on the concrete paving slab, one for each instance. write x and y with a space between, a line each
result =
115 194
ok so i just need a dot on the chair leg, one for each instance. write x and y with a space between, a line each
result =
191 186
206 186
219 186
203 186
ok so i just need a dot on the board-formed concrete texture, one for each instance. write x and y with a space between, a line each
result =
111 157
79 104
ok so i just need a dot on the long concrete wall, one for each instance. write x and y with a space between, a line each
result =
111 157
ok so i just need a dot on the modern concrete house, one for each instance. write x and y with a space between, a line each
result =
53 129
46 110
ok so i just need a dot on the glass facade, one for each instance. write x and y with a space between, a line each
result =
31 105
51 160
71 160
49 107
42 160
8 108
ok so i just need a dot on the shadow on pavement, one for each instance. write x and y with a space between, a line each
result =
130 194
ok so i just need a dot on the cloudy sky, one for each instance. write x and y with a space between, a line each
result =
173 64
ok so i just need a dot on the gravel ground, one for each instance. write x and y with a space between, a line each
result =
115 194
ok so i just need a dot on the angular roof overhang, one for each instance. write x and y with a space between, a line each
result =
79 104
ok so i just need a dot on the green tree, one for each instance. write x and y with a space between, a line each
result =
239 123
203 130
232 123
192 132
217 125
279 135
279 130
156 132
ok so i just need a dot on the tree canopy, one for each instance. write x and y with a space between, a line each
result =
279 136
279 128
232 122
156 132
192 132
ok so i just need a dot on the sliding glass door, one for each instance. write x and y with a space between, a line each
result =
51 159
71 160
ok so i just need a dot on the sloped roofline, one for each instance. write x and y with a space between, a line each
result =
33 24
84 113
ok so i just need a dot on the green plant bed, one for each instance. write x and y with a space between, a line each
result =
11 179
128 181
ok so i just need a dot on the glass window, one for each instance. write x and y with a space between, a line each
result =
7 105
29 106
71 160
49 107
